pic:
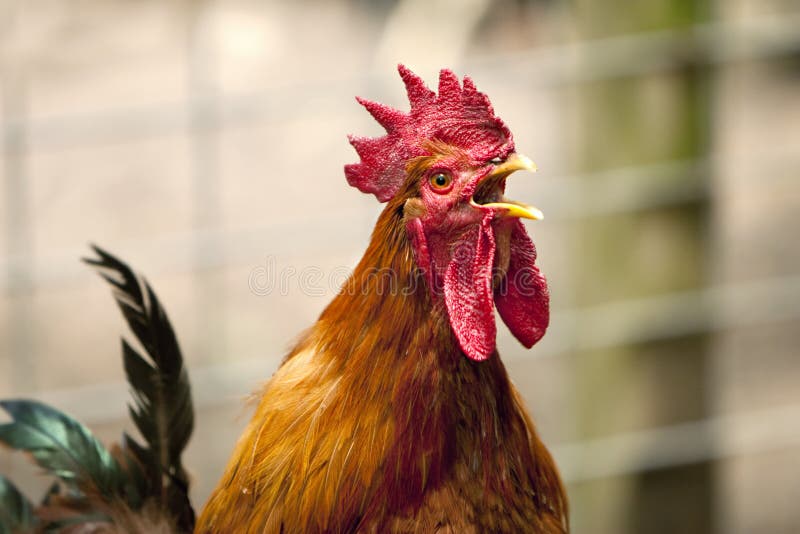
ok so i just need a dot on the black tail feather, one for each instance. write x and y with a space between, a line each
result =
137 477
162 401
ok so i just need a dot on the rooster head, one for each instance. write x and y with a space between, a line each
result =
446 161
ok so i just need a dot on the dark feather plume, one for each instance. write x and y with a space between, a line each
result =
162 403
16 511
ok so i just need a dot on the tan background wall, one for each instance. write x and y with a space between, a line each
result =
204 140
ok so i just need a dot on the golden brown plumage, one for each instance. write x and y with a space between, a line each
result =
377 422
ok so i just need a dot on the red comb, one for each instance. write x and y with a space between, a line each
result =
459 116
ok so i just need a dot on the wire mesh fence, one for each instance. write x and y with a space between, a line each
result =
186 136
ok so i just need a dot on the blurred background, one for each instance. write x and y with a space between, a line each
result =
203 141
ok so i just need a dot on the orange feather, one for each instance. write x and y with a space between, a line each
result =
376 422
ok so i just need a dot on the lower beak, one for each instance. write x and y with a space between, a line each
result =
512 208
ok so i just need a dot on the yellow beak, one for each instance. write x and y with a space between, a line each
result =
515 162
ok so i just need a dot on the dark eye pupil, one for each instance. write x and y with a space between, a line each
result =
441 180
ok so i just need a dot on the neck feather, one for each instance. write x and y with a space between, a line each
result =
381 376
449 413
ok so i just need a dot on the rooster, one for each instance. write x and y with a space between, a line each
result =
393 412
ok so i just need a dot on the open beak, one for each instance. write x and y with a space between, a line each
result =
511 208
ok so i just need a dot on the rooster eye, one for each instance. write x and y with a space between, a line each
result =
441 181
496 161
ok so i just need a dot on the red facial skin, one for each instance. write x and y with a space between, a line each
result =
474 257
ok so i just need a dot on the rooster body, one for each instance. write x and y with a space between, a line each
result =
376 422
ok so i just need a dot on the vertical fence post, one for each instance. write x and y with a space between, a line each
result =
17 218
632 121
203 134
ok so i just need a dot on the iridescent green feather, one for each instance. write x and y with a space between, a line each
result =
61 446
16 511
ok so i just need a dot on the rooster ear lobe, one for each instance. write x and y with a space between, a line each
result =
419 244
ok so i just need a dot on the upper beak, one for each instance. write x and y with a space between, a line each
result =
512 208
514 162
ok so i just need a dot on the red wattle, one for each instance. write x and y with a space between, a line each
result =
468 291
522 297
